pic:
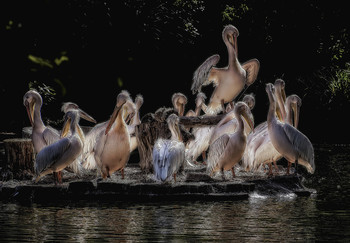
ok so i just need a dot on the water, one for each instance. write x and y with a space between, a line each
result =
321 217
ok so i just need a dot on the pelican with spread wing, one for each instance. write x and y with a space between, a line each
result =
169 154
58 155
228 81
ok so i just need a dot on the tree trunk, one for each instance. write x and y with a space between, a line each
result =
19 153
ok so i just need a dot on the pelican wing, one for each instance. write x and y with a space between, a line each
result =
303 145
252 69
201 75
159 150
50 154
216 149
88 158
50 135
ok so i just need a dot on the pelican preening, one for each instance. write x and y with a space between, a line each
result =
179 101
228 149
112 147
60 154
228 81
288 141
169 154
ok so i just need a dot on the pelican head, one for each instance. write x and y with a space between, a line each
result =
243 110
30 100
249 99
200 102
67 106
138 101
294 102
71 121
179 101
122 98
229 35
173 124
280 96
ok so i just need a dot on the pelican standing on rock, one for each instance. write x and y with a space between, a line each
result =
169 154
112 147
57 156
228 81
228 150
293 145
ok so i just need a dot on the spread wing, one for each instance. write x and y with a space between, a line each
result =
252 69
216 149
50 154
201 75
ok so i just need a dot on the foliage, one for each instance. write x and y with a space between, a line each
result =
339 83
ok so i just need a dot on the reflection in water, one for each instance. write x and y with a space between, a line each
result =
278 218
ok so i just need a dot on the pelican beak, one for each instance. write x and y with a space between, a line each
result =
296 110
279 114
113 117
236 46
30 111
86 116
281 98
66 127
249 119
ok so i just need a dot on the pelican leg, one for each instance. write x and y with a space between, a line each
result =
105 172
270 170
122 171
223 174
276 167
174 177
204 156
233 172
59 177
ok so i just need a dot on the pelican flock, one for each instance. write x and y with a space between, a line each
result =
224 145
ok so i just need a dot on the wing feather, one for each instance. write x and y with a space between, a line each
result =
216 149
50 135
252 69
50 154
303 145
200 76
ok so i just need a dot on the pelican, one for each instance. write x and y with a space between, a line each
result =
229 123
228 81
179 101
259 149
293 145
134 122
58 155
112 147
228 149
169 154
200 99
45 135
95 134
202 136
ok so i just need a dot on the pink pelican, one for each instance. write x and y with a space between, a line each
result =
228 81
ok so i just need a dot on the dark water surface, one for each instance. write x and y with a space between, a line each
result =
324 216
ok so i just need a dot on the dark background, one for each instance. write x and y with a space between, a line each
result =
153 47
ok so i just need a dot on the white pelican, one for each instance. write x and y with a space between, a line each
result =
57 156
45 135
228 81
228 150
293 145
169 154
179 101
95 134
112 147
259 149
134 122
229 123
200 99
